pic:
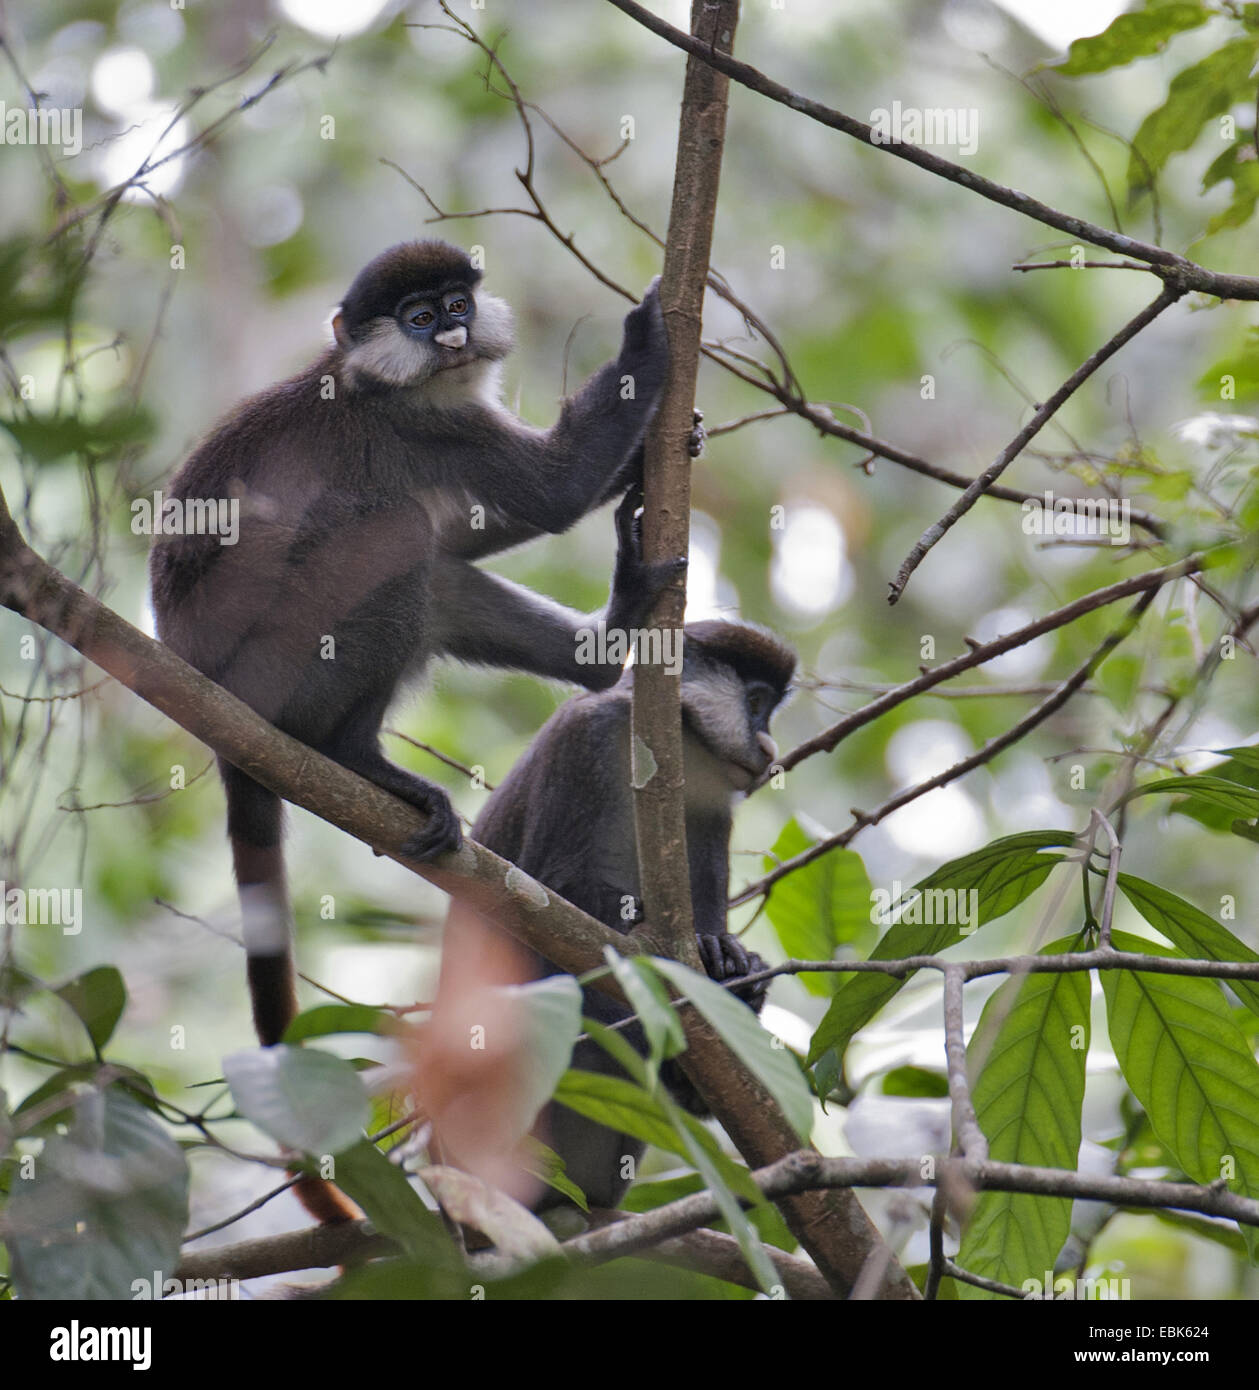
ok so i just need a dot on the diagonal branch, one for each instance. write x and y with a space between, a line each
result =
829 739
935 532
1167 264
1011 736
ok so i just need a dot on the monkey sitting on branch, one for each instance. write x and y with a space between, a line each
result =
367 485
565 815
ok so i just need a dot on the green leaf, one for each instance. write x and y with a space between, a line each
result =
646 996
750 1243
1190 1067
304 1099
1238 800
627 1108
1242 768
548 1015
546 1164
1027 1060
1191 931
107 1206
1120 678
1002 874
740 1029
326 1019
821 906
47 439
98 997
914 1081
1196 95
621 1106
1129 37
391 1204
1242 364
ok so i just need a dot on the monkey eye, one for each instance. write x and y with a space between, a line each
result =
760 702
457 306
421 318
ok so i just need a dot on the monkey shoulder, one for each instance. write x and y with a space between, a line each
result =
568 778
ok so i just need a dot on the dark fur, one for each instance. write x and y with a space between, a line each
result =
565 815
356 523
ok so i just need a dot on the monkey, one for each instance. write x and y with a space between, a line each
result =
367 485
564 814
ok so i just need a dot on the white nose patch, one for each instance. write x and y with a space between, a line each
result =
452 337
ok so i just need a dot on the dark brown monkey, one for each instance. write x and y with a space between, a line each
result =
565 815
367 485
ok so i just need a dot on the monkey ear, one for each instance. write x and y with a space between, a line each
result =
340 333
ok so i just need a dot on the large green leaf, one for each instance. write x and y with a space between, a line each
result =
1233 797
391 1204
304 1099
1241 768
1197 94
1002 874
1131 36
774 1066
1027 1060
648 998
620 1105
1191 930
821 906
106 1208
1190 1067
623 1106
748 1237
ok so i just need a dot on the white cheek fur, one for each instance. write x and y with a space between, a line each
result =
387 354
715 704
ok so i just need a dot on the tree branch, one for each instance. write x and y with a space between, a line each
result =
1166 264
935 532
659 778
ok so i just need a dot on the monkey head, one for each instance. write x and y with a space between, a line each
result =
734 677
414 312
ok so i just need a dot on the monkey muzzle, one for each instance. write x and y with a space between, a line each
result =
452 337
770 749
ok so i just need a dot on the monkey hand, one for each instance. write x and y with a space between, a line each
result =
644 356
636 583
726 958
695 441
443 832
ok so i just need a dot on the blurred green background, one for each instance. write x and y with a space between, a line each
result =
872 274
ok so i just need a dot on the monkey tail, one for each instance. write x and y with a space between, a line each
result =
255 829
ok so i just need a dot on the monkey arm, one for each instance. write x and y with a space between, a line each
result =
486 620
531 481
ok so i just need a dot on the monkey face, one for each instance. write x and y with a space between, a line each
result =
443 320
730 719
415 312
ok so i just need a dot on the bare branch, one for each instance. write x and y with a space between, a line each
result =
1169 295
829 739
1167 264
983 755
